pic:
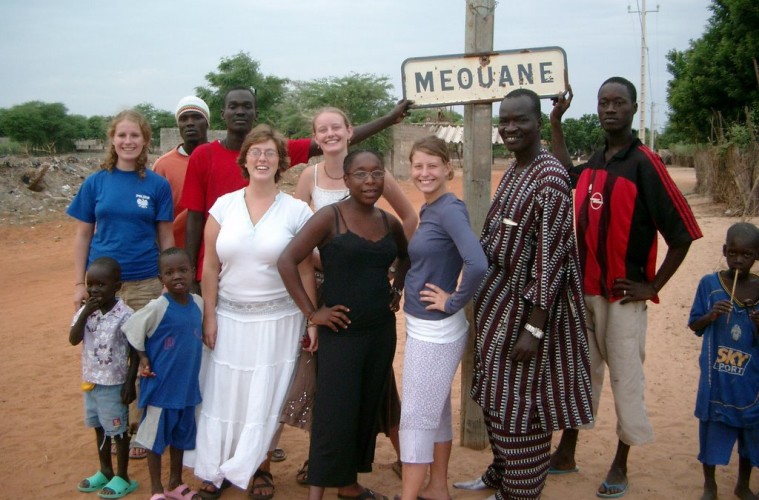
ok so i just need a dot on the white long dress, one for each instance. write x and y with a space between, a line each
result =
245 378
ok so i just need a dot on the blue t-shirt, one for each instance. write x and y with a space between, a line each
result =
125 210
171 335
443 244
728 388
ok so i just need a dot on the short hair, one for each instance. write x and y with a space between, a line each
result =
109 163
239 87
534 98
743 230
433 146
173 251
108 263
627 83
262 133
348 161
330 109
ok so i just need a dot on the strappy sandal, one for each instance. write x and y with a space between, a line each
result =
301 477
265 481
367 494
210 491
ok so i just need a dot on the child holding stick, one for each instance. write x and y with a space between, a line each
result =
727 406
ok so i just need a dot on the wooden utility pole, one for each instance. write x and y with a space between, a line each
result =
478 160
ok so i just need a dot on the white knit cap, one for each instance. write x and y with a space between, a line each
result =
192 103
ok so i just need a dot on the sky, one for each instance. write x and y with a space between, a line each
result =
99 57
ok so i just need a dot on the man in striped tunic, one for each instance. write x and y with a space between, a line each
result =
532 368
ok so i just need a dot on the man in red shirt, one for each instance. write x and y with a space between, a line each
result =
624 197
213 170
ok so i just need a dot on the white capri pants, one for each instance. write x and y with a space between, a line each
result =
428 371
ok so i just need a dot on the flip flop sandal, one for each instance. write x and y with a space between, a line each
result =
181 492
367 494
95 483
621 490
119 487
301 477
278 455
558 472
266 482
158 496
137 455
216 493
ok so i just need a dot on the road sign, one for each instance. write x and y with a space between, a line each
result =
484 77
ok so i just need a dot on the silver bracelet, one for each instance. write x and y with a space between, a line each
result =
534 331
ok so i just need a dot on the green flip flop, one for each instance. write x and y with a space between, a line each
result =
95 482
119 487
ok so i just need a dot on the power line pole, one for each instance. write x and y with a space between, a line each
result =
651 137
643 53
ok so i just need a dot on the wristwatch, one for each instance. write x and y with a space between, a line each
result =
534 331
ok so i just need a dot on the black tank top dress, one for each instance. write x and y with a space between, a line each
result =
353 363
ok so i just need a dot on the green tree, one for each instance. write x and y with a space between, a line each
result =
363 97
714 80
41 125
97 127
158 119
241 71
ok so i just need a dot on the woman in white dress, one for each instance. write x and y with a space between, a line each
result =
251 324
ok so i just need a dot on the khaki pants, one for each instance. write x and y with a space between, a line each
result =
617 339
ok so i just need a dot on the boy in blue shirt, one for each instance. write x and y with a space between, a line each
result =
727 404
107 375
167 334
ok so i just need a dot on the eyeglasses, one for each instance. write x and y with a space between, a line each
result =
362 175
256 153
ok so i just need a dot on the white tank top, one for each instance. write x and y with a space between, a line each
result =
321 197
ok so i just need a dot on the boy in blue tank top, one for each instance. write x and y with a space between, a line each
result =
167 334
724 314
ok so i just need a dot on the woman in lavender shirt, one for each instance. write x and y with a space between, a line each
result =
435 323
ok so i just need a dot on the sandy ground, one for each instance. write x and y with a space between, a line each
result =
45 448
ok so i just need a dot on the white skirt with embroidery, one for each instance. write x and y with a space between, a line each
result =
244 382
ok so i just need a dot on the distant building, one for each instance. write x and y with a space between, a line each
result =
89 145
170 138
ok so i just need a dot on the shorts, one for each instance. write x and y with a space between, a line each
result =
716 441
136 294
103 408
161 427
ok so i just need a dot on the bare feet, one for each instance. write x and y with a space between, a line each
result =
433 494
709 493
741 491
562 462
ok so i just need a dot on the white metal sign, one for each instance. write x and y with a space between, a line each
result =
484 77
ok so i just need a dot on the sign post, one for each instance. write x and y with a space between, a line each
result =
483 77
478 159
